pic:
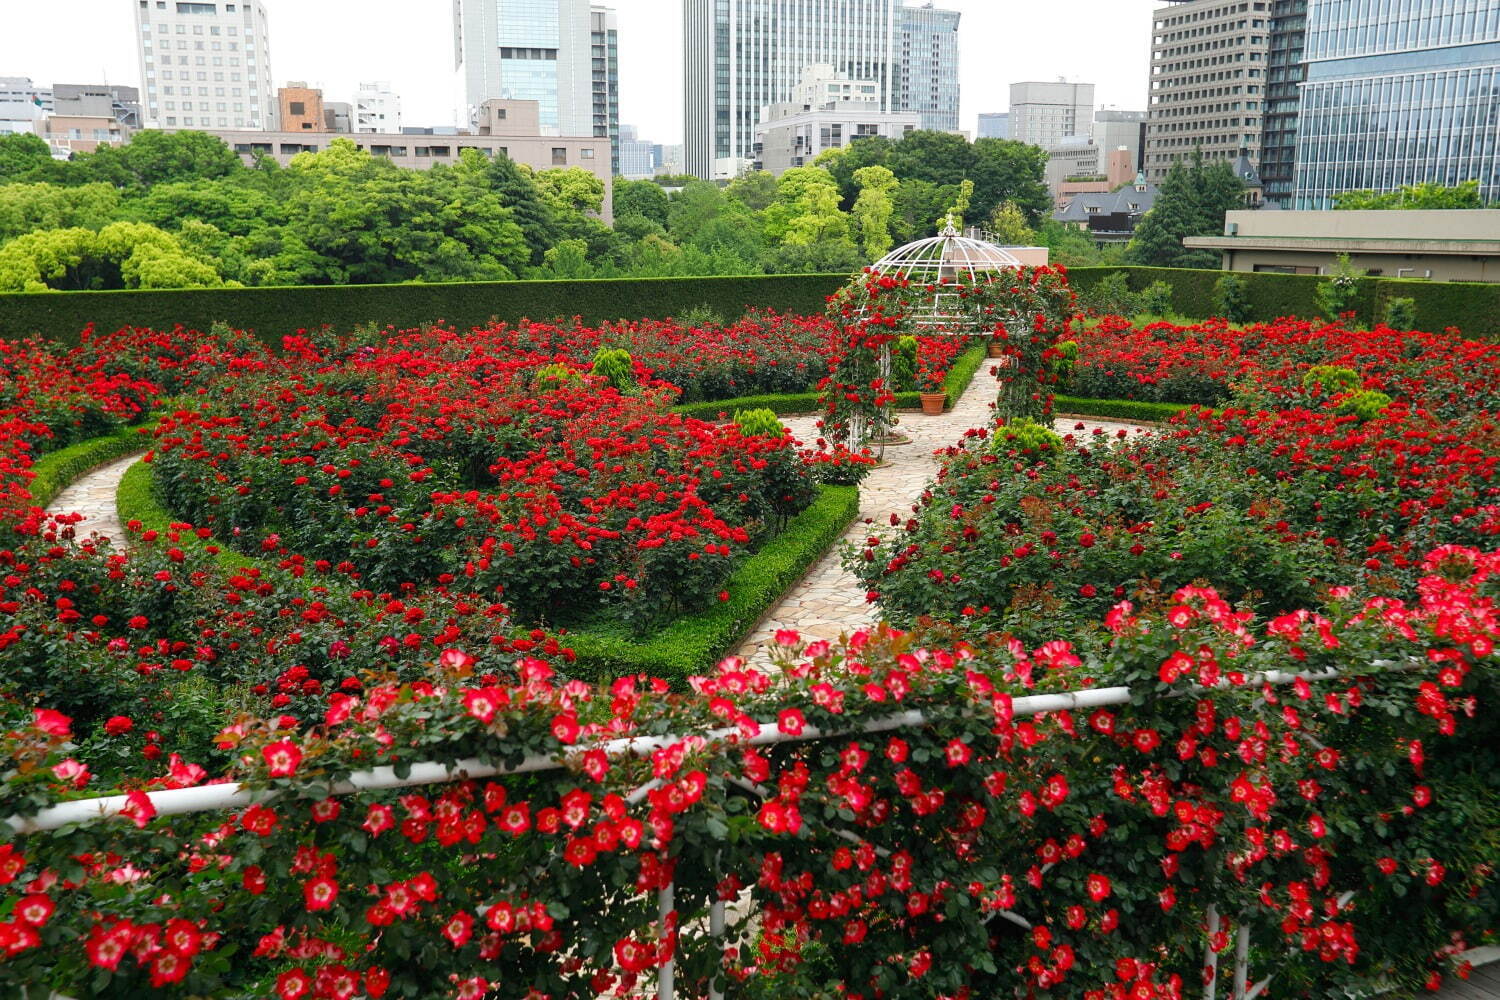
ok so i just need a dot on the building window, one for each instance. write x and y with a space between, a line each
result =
559 156
587 154
298 108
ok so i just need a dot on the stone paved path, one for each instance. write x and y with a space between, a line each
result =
93 496
830 601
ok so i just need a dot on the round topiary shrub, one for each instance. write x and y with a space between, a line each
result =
615 365
1026 437
759 423
1330 380
551 378
1365 405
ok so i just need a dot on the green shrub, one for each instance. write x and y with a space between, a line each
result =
1401 314
1330 380
760 422
904 365
1112 294
1027 438
1117 409
616 366
702 314
1231 299
1156 298
550 378
1365 405
1339 294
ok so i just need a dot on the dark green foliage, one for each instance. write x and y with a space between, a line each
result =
1112 294
693 644
1231 300
1156 298
615 365
1401 314
1192 201
272 313
1470 307
1116 409
1340 292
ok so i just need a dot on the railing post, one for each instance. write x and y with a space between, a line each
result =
716 933
666 985
1241 960
1211 957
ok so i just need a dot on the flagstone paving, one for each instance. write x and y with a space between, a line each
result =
93 496
830 601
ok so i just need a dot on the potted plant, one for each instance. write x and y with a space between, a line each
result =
995 343
934 398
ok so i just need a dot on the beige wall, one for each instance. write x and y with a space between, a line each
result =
1443 267
58 131
1455 224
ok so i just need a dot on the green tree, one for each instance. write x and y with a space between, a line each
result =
21 155
571 190
1008 171
25 208
641 199
1191 202
806 210
153 157
954 214
1413 196
874 208
843 164
121 255
519 194
755 190
938 157
1008 224
918 203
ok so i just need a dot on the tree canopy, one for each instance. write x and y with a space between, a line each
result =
1413 196
1192 201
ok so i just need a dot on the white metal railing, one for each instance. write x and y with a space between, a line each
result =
210 798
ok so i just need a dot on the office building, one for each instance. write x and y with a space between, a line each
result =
301 108
98 100
1456 245
741 56
527 50
994 126
827 111
604 68
927 43
377 108
205 65
1044 114
338 116
1208 82
1284 74
638 158
1398 92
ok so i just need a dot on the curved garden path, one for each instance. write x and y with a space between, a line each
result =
93 496
828 601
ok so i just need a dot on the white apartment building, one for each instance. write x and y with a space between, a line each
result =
205 64
1044 114
377 108
827 111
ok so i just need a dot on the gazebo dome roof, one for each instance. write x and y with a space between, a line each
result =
945 262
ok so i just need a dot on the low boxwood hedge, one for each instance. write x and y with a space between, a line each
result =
1117 409
57 470
965 367
693 644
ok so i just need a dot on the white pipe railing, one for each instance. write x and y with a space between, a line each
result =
227 795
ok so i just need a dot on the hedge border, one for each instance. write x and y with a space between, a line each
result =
693 644
690 644
1120 409
957 381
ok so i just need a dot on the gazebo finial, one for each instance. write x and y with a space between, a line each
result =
950 229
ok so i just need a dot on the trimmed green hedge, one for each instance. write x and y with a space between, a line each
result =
274 312
965 366
692 645
1472 308
1270 295
1116 409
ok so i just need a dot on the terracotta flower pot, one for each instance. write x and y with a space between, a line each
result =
933 403
995 348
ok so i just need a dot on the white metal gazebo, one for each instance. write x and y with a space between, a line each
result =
944 263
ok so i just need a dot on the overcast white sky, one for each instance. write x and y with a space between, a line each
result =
336 44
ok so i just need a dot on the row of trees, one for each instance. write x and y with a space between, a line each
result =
342 216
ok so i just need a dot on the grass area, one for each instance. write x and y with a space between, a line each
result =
57 470
694 643
965 366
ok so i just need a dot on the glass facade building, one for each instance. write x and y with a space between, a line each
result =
1284 72
528 50
1398 92
604 67
928 41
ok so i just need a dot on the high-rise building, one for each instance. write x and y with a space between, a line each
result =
995 125
741 56
1208 82
1398 92
205 65
638 158
1284 72
927 40
527 50
604 66
377 108
1044 114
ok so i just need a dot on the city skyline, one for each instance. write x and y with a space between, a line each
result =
410 43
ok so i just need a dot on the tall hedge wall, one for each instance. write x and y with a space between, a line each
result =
274 312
